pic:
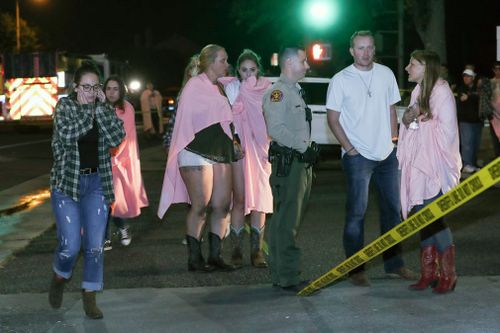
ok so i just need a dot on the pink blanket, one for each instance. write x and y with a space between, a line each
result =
130 195
429 156
200 105
251 128
495 120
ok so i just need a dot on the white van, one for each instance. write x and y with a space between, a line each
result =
315 89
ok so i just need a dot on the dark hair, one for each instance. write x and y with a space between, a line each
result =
361 33
86 68
287 53
248 54
432 68
121 89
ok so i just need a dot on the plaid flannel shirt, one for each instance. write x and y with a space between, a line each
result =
71 121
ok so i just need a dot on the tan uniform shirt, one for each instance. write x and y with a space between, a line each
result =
285 114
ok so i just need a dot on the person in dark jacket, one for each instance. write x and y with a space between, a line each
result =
470 123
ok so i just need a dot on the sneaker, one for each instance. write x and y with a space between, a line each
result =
403 273
469 169
107 245
125 237
359 279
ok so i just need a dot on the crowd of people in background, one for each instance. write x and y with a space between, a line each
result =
475 99
239 148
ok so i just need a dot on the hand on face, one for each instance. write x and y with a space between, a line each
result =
90 81
82 96
101 97
248 68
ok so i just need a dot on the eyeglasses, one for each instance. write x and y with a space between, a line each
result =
88 87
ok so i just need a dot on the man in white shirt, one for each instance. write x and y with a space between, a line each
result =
361 102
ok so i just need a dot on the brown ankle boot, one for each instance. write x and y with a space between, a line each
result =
429 274
256 241
56 291
90 306
448 278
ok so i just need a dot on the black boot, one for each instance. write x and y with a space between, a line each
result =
195 259
215 259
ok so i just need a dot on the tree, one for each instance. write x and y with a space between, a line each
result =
29 35
429 19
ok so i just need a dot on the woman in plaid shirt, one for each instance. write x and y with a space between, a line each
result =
81 183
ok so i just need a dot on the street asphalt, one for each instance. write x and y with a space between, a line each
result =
148 287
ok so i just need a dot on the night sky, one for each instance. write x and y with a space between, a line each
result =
158 38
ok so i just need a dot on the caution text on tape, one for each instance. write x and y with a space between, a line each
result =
465 191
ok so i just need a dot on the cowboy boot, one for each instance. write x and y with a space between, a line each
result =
237 241
429 274
195 258
448 278
56 291
215 259
256 240
90 306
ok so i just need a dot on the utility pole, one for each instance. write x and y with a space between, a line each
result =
18 29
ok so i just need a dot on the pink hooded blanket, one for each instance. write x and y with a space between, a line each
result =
251 128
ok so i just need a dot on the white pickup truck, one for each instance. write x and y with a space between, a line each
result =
315 89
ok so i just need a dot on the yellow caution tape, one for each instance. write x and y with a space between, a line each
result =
468 189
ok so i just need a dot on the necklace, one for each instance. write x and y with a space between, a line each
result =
368 87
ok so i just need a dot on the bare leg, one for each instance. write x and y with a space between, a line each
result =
199 184
257 219
221 198
238 211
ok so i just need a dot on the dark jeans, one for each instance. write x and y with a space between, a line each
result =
437 233
359 171
470 139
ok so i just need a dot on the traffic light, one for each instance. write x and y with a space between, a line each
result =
320 14
321 51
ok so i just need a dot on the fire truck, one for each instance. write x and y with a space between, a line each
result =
32 83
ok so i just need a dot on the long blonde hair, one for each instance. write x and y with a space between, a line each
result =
208 55
432 68
192 69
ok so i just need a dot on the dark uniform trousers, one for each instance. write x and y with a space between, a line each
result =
291 195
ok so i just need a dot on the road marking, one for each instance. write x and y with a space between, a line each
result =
24 144
488 176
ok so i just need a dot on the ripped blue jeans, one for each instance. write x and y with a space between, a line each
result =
81 222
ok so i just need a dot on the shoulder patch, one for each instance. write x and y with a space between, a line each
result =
276 95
